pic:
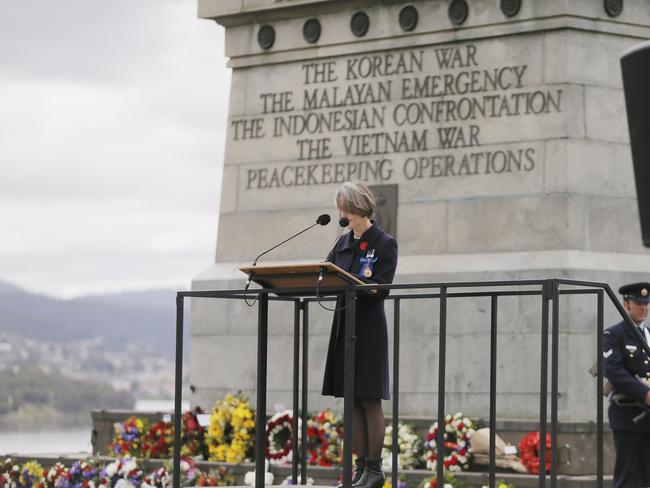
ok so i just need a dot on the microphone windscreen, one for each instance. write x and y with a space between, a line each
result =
344 221
323 219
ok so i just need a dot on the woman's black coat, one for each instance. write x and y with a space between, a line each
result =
371 365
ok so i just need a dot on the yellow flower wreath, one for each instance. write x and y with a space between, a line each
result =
232 427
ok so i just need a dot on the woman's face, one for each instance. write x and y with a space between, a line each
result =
355 220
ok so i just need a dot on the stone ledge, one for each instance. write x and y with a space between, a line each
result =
505 261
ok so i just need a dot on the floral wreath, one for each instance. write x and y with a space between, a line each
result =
193 435
529 448
324 439
13 474
450 481
409 445
457 435
128 436
279 437
232 427
157 442
121 469
123 472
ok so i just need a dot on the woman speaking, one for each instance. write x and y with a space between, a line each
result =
370 254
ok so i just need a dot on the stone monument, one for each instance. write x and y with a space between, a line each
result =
495 132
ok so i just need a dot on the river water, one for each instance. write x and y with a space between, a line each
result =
68 441
52 442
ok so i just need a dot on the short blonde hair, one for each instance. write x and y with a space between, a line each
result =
356 198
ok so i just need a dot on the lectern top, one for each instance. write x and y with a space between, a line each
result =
301 276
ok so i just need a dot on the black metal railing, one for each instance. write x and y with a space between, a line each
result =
549 290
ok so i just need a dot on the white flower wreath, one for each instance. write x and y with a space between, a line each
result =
409 447
279 437
457 435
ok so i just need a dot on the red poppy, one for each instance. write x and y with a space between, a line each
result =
363 245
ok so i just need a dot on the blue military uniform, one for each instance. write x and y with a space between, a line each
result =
627 367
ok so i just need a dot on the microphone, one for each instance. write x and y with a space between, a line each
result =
344 221
323 219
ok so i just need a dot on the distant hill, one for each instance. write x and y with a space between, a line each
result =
146 317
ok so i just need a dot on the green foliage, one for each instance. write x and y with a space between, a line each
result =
29 388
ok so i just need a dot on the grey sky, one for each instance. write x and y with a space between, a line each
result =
112 122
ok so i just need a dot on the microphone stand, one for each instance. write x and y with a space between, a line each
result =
343 223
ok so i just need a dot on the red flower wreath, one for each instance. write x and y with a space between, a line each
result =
324 439
279 438
529 448
193 437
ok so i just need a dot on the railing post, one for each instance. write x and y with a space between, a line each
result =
395 421
305 390
599 390
547 294
178 392
493 388
348 401
555 334
442 351
296 382
262 345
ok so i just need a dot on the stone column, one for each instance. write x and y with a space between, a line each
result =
500 129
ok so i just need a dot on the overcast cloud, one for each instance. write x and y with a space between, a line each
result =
112 131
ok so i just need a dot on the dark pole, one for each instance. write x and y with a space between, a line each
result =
260 428
296 383
547 293
555 333
599 391
348 400
395 421
493 388
442 348
305 390
178 392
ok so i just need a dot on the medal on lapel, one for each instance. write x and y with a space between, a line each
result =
367 264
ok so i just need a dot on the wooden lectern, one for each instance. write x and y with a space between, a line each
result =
305 276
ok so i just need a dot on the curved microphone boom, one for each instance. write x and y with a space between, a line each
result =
343 222
323 219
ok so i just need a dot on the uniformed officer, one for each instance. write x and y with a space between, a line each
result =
627 367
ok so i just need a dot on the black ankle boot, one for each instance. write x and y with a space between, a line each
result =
358 471
372 477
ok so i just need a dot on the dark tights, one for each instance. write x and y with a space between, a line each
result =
369 428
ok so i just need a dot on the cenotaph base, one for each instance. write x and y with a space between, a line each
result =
495 134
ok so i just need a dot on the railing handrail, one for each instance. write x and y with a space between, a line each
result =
548 289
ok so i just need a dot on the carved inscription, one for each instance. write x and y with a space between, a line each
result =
411 114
